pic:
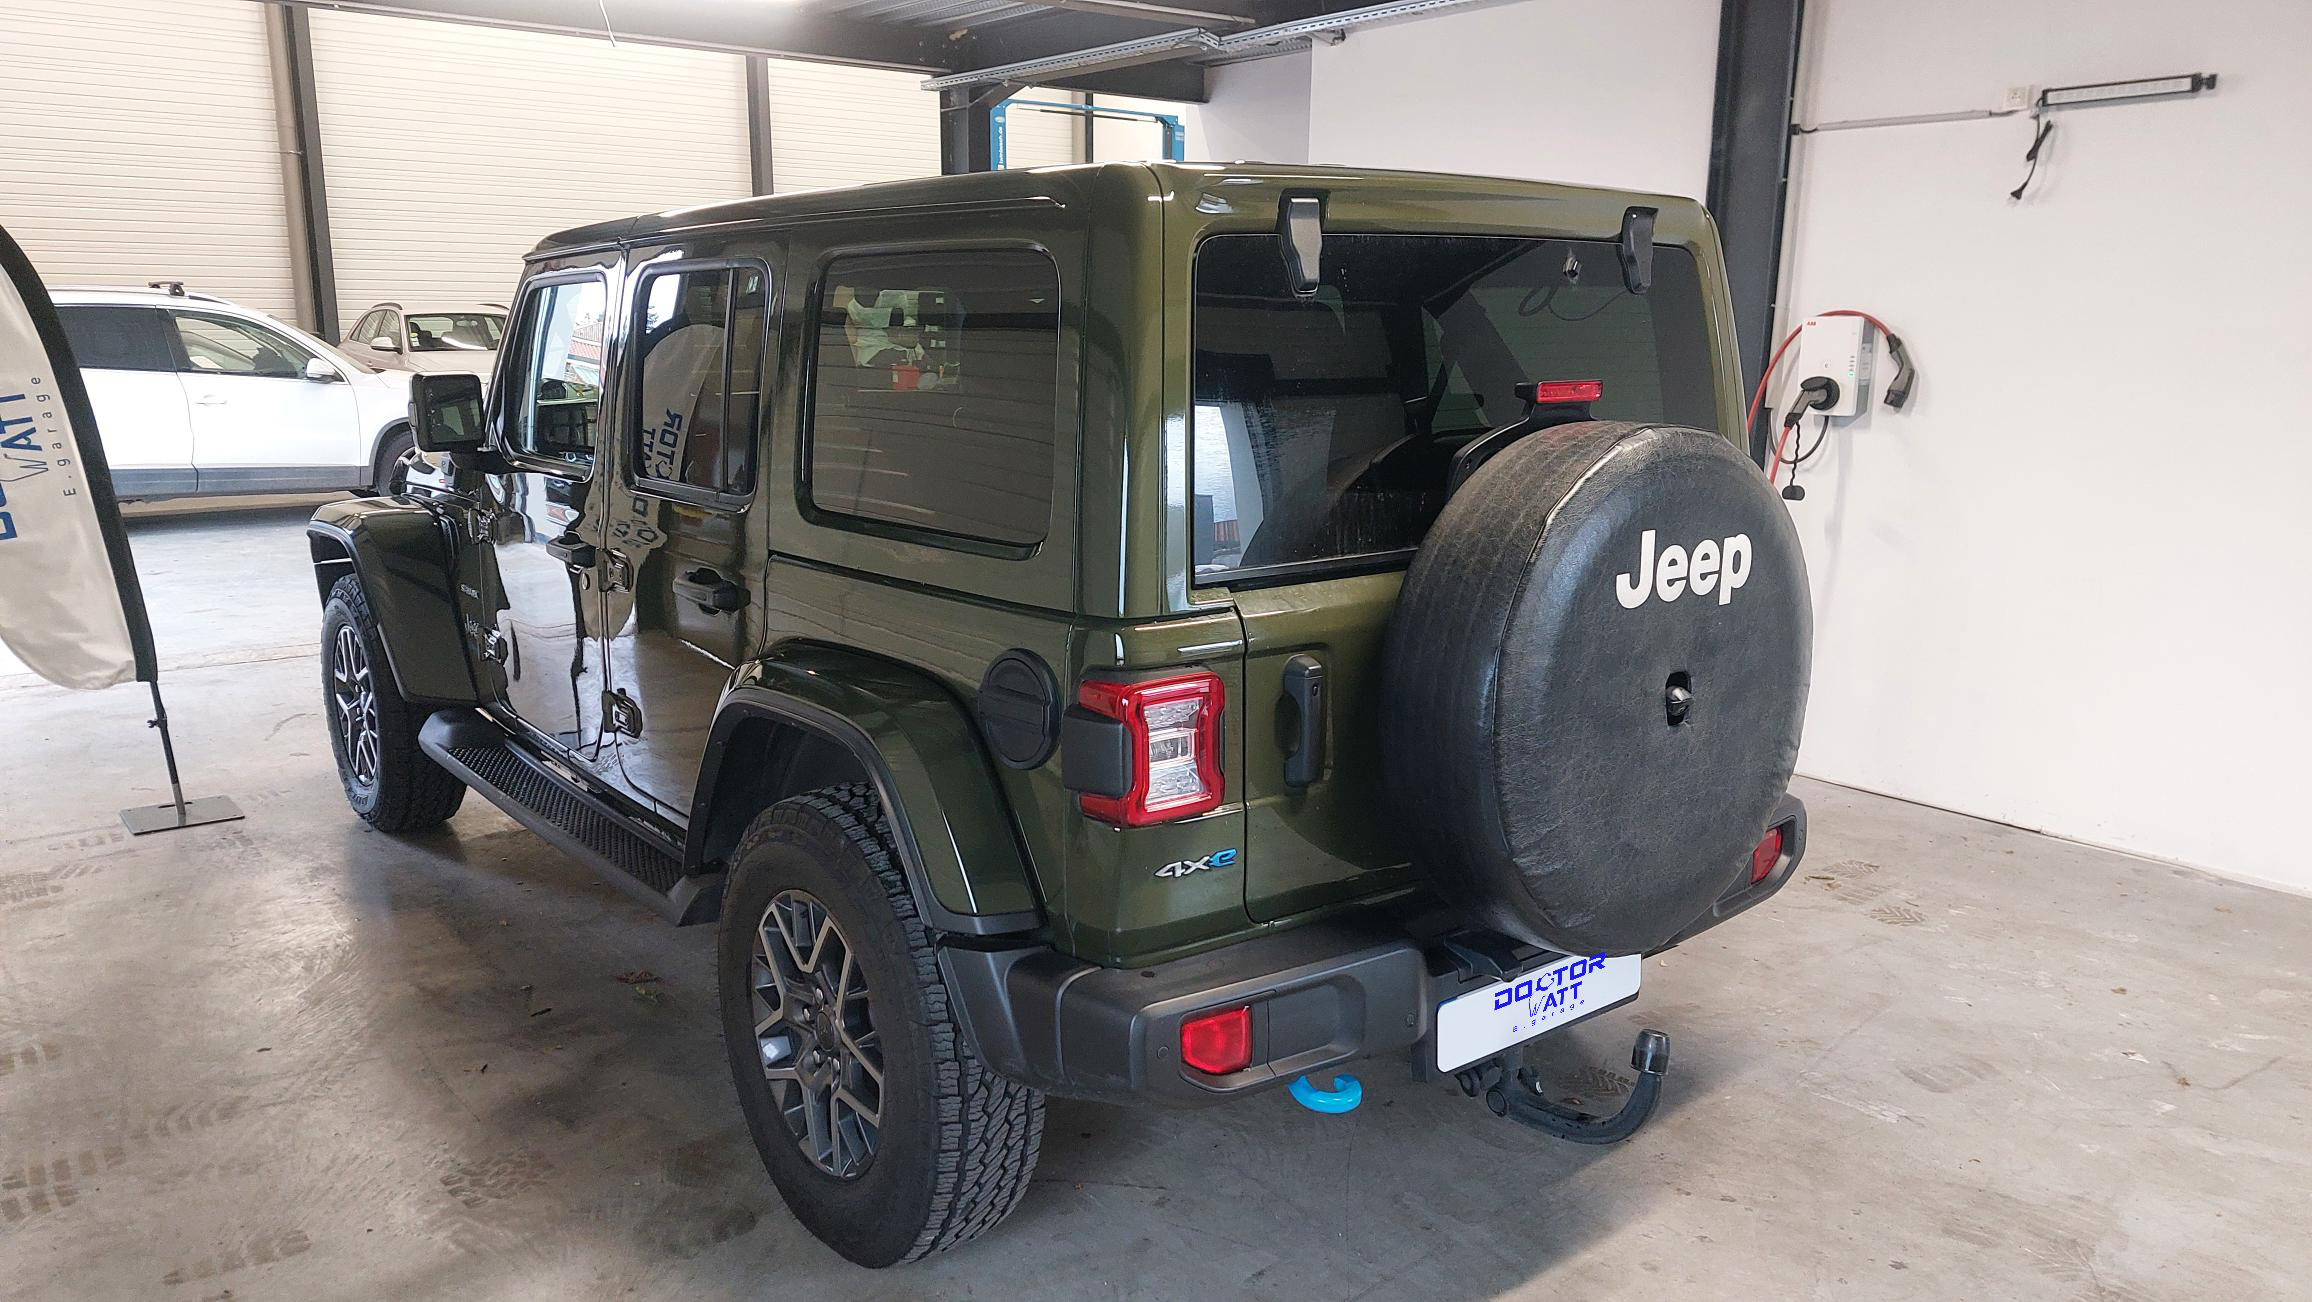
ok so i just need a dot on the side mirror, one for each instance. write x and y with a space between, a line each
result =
445 410
321 372
385 343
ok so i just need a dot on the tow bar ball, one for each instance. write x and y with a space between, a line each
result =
1519 1097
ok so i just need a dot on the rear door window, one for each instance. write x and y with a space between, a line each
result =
1325 425
934 393
702 333
118 338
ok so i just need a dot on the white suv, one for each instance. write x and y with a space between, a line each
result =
430 337
195 395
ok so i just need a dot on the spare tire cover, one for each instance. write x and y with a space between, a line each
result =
1550 783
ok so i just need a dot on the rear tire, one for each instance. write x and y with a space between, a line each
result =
391 783
951 1145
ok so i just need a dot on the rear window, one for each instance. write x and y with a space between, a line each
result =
118 338
934 392
456 332
1325 425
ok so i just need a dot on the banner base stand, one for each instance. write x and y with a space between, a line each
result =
171 817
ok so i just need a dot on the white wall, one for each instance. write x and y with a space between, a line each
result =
1603 94
2069 588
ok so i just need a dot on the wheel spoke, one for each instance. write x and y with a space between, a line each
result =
873 1116
815 1033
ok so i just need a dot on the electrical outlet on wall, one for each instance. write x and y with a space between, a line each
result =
2018 99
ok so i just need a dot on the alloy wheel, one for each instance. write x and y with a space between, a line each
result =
815 1034
353 698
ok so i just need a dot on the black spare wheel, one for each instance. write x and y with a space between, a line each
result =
1596 675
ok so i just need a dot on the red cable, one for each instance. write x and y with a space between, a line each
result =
1759 397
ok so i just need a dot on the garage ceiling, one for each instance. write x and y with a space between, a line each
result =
1165 43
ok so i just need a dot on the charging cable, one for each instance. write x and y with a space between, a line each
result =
1814 393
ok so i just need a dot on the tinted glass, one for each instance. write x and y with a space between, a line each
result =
700 335
218 346
1325 426
118 338
456 332
363 330
557 392
934 392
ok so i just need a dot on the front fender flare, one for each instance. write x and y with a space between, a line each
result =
405 556
917 745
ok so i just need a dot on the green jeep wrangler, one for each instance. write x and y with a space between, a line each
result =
1139 633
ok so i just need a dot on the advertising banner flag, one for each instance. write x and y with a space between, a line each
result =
70 606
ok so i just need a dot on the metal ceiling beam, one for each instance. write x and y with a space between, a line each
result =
1144 11
697 24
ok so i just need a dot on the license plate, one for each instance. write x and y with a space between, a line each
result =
1495 1016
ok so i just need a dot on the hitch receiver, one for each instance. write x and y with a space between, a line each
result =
1516 1096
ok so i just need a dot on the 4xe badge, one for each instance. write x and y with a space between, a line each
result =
1184 867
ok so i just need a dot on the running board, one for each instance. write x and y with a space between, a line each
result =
578 822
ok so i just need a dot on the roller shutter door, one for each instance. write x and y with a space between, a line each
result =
832 124
137 143
450 150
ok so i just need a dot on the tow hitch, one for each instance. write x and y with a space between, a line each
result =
1517 1096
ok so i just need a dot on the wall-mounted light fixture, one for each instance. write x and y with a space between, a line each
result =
2108 92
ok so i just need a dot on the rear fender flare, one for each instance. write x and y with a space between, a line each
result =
913 742
404 554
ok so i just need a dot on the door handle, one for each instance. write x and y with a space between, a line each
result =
1304 686
710 591
572 552
210 400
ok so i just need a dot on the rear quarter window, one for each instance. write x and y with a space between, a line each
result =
118 338
1324 425
934 391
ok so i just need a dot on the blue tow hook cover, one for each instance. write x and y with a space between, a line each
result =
1344 1096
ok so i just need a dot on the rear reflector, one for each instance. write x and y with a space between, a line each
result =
1172 747
1218 1043
1549 393
1766 855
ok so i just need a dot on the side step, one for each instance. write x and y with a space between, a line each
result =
578 822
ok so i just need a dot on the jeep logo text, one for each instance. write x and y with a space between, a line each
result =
1721 565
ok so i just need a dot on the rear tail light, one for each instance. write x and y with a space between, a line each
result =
1171 747
1218 1043
1557 393
1767 854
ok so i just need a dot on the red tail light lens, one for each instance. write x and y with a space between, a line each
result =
1218 1043
1559 392
1766 855
1172 728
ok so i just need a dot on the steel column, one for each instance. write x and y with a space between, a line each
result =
967 128
1750 166
297 116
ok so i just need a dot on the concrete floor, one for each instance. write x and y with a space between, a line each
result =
292 1058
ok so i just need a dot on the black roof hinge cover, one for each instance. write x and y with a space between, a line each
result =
1637 248
1300 237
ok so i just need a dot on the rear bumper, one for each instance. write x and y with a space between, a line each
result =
1321 994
